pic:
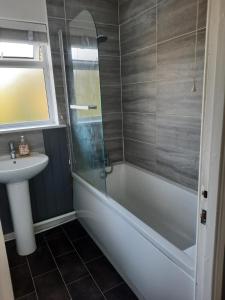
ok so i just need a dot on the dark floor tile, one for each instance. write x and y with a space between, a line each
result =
21 281
74 230
104 274
53 232
87 249
85 289
122 292
71 267
60 245
31 296
51 287
13 258
41 261
40 239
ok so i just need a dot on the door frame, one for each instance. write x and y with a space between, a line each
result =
211 236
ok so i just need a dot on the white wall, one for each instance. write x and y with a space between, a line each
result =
24 10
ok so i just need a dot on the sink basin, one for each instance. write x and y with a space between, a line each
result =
15 173
20 169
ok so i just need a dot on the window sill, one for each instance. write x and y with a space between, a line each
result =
31 128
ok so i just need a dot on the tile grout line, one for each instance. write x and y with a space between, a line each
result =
189 79
68 238
115 286
163 42
59 270
45 273
22 297
121 81
35 289
138 15
94 259
156 146
79 279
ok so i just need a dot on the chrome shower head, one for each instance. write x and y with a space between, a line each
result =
101 39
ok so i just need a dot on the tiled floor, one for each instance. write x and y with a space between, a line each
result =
66 265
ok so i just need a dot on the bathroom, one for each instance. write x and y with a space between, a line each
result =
102 147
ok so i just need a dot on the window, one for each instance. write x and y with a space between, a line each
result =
25 86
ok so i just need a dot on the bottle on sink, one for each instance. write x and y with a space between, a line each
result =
23 147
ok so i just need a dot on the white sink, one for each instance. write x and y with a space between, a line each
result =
20 169
15 173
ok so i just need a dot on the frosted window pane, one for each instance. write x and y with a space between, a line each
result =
22 96
84 54
16 50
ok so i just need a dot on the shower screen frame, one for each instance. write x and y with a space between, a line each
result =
98 178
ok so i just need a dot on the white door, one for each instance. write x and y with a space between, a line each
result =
6 292
211 158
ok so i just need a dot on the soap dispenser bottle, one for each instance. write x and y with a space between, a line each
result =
23 147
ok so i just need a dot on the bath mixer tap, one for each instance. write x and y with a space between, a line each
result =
12 150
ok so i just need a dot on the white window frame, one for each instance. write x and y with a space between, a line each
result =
46 65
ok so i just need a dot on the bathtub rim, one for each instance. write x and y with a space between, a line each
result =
173 253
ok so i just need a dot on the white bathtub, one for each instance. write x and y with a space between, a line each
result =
146 228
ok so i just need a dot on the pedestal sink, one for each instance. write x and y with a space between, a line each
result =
15 173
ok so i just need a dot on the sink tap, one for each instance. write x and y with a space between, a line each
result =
12 150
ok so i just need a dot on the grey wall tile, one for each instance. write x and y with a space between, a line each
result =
176 59
139 32
115 149
178 166
140 97
103 11
178 143
130 8
178 98
109 70
140 127
111 46
54 26
139 66
177 133
55 8
202 13
200 53
112 125
175 17
140 154
177 107
34 139
111 98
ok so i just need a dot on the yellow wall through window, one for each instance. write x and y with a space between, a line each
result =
22 95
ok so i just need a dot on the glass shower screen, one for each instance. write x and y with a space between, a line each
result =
84 97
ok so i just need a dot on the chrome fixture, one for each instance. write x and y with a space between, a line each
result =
83 107
12 150
102 38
